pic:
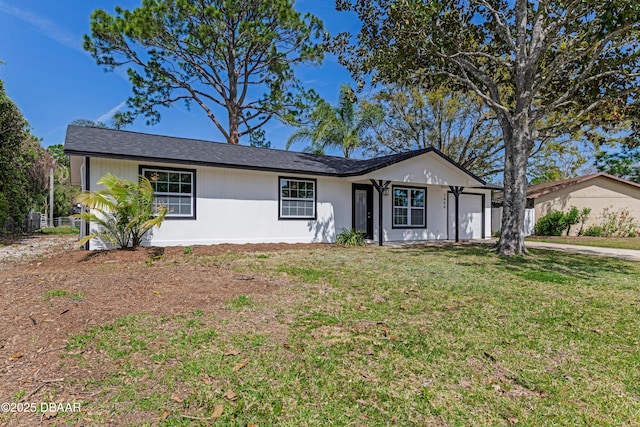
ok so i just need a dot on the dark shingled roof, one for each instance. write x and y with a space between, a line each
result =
110 143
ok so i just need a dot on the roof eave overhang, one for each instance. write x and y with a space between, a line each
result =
354 173
196 163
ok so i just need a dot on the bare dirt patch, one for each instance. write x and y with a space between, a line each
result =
51 291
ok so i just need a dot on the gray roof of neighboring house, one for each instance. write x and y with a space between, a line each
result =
538 190
110 143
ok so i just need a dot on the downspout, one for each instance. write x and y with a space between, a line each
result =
83 187
86 169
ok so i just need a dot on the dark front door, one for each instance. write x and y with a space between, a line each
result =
363 209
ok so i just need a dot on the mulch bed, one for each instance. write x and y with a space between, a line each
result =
107 285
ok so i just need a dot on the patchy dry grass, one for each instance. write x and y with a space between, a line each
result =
378 337
603 242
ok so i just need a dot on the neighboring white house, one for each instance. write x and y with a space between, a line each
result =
221 193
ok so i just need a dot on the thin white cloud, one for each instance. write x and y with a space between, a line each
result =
109 114
45 26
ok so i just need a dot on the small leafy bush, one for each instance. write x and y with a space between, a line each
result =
593 231
556 222
187 250
552 224
350 237
582 218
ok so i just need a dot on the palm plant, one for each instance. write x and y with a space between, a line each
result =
342 126
124 211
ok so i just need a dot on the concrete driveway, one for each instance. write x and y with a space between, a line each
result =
628 254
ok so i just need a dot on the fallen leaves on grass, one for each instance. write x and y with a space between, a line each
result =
240 365
230 395
217 411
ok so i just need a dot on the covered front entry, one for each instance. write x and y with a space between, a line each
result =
470 216
362 208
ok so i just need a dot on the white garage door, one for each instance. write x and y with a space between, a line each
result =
471 218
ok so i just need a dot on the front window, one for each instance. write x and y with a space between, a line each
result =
409 207
297 198
173 189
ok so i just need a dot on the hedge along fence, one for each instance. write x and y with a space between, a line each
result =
30 223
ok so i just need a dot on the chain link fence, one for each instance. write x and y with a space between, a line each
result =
35 221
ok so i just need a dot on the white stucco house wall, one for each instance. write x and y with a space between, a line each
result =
221 193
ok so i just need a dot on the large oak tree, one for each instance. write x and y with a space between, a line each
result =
456 123
234 56
545 67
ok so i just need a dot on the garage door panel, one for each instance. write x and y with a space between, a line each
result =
471 216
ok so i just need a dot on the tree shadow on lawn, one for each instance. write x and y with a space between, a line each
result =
541 265
559 267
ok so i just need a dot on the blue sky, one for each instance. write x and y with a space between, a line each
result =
54 81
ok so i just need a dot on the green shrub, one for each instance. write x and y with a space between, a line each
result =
555 222
593 231
552 224
350 238
582 218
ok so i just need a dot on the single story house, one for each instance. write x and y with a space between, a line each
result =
597 192
221 193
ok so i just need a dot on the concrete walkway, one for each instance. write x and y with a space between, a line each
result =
628 254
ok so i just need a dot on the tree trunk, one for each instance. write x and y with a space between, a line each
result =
234 137
517 151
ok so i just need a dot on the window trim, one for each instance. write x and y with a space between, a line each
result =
142 168
403 226
315 199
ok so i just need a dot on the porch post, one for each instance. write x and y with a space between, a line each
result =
456 194
381 187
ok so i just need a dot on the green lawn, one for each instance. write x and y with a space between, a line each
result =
58 230
379 337
603 242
